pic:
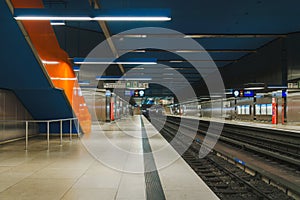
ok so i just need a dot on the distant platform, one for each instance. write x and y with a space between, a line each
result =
282 127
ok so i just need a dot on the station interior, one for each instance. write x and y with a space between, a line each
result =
128 99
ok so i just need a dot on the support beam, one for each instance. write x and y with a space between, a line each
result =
104 27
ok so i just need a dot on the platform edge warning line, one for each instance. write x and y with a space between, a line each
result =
154 190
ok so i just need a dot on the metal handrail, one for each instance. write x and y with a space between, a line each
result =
48 128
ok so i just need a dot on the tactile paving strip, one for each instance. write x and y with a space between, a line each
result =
154 190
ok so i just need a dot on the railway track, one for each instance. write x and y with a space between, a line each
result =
284 147
225 179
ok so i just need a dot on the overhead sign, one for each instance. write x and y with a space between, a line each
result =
243 93
136 84
119 85
129 93
127 85
248 93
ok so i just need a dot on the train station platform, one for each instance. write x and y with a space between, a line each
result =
127 159
256 124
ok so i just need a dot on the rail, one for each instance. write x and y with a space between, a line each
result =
289 188
48 128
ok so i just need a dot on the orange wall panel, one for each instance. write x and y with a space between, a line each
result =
44 40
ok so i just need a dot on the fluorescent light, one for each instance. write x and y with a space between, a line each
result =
139 51
138 68
175 61
63 79
136 88
92 14
109 63
277 87
85 82
108 78
69 18
57 23
181 68
194 36
136 63
76 68
135 36
137 18
168 74
188 51
254 88
50 62
134 51
215 96
63 18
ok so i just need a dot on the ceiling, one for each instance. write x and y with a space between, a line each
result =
227 30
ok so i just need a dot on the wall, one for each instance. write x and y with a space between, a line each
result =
268 65
293 49
11 110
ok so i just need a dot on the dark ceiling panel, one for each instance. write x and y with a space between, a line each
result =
233 17
216 16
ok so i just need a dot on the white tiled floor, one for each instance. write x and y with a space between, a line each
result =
94 167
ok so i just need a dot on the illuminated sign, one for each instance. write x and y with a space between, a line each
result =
236 93
283 93
139 93
108 93
248 93
129 93
243 93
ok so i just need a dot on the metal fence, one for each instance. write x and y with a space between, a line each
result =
48 122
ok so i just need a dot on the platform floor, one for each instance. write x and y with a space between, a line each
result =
127 159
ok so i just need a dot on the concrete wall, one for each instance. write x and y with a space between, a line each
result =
11 111
293 56
267 65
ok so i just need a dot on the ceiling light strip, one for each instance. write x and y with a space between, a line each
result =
92 14
129 61
117 78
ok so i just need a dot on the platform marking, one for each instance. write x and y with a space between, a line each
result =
154 190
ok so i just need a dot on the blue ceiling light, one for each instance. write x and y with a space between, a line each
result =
108 61
277 87
76 68
92 15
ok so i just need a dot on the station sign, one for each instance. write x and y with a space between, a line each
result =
129 93
136 84
126 85
118 85
248 93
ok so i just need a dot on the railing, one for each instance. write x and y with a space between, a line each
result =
48 128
